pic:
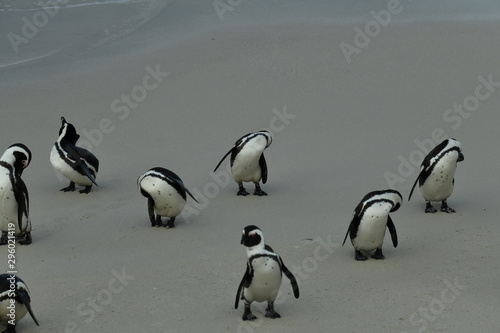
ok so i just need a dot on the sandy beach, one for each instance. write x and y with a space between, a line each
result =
355 95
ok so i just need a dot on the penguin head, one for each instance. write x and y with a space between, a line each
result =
252 236
454 143
269 137
19 156
68 132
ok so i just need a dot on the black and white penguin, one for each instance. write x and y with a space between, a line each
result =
369 221
14 199
247 160
14 302
262 279
436 178
166 195
77 164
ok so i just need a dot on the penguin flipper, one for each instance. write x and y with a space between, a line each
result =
75 152
25 299
291 277
187 191
263 168
353 226
392 230
21 196
413 187
227 154
151 210
244 283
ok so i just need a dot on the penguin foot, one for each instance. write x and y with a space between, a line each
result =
10 329
170 224
247 314
359 256
242 191
70 188
445 208
3 239
270 313
258 191
86 190
25 239
429 208
378 254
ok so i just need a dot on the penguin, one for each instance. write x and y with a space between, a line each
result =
369 221
436 178
247 160
166 195
14 302
262 278
14 199
77 164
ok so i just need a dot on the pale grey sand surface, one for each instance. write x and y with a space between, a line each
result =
174 84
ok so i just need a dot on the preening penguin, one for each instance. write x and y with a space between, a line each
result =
77 164
166 195
262 278
436 178
14 302
247 160
14 199
369 221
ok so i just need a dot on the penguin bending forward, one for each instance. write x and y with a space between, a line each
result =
369 221
436 178
247 160
166 195
14 302
14 200
77 164
262 278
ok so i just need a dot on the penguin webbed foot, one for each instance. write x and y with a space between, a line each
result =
247 314
445 208
241 190
359 256
70 188
270 312
25 239
170 224
86 190
429 208
258 191
378 254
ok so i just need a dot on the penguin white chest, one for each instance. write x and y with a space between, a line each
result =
8 203
371 230
266 280
439 184
21 310
168 202
246 166
68 170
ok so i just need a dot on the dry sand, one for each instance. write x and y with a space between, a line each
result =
340 130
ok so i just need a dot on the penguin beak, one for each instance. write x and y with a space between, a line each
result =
460 157
63 120
243 239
